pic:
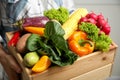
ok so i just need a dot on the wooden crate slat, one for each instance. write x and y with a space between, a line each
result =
101 73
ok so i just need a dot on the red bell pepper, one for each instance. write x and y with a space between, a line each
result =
14 39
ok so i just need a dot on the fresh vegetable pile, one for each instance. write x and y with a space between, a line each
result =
59 38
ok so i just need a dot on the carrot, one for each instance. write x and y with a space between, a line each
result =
42 64
36 30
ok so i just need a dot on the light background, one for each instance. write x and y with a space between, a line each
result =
111 10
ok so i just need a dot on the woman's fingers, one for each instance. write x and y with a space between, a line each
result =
10 67
13 64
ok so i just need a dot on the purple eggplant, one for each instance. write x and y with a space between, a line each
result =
35 21
31 21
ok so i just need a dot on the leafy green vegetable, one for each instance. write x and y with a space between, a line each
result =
90 29
102 41
58 44
52 44
54 32
50 30
32 42
60 14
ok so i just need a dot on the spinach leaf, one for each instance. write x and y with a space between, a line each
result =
58 45
54 32
53 28
48 50
67 58
32 42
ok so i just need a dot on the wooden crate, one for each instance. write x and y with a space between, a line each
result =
101 73
85 68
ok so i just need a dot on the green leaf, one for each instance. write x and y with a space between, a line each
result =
53 28
54 32
58 47
91 30
32 42
60 42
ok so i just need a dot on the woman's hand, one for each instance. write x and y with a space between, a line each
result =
9 64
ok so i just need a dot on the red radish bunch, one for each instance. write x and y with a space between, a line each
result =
98 20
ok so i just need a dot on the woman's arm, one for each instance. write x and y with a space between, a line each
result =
9 64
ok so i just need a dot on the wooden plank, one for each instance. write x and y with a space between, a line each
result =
101 73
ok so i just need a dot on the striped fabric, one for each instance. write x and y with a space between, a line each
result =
13 10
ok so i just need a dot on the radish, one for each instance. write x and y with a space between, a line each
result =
88 15
98 20
91 20
100 16
93 15
101 22
106 28
83 19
